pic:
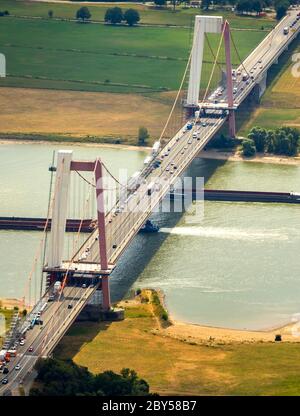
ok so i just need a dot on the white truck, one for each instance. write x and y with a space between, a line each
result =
155 148
147 160
57 287
134 181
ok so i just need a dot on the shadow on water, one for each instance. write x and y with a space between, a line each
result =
144 246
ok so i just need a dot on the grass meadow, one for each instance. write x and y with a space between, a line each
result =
154 16
92 57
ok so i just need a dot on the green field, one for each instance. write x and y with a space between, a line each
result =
182 16
92 57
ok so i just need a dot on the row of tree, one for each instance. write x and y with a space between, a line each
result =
65 378
281 141
113 15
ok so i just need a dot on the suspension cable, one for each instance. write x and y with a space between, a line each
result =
214 66
211 50
238 55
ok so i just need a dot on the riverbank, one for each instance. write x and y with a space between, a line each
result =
177 361
232 156
202 334
75 143
236 156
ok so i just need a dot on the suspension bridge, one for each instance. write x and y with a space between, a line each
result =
75 269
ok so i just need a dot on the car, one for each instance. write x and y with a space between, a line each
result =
70 306
17 367
220 93
204 124
195 135
251 72
4 381
190 141
260 61
171 171
167 169
239 73
175 167
182 153
172 164
234 90
83 286
254 68
5 370
22 342
30 349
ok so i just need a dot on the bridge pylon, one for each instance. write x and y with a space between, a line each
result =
56 268
203 25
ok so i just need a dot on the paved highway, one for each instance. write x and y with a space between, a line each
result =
125 220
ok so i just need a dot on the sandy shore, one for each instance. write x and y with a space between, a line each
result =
10 303
235 156
83 144
202 334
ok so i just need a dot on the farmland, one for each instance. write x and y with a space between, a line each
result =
67 55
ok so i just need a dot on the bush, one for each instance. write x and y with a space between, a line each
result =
248 146
164 316
143 135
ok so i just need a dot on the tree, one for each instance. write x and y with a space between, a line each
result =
281 8
50 14
205 4
259 136
131 16
248 148
257 6
160 2
143 135
174 3
114 15
83 14
65 378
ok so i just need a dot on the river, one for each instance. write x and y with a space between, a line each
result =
237 268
